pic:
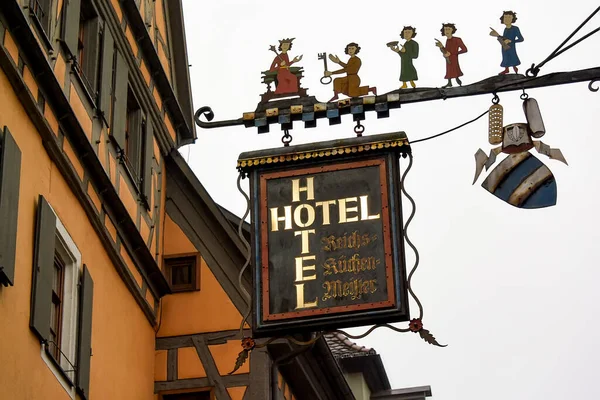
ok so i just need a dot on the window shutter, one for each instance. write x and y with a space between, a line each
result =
91 49
106 73
119 121
84 343
70 26
43 265
10 171
148 157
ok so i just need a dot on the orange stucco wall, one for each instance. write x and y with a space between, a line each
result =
211 306
206 310
122 365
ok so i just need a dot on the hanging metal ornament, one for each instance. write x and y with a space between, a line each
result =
520 179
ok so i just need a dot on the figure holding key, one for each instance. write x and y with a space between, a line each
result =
349 84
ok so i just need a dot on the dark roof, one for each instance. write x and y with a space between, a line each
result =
353 358
414 393
342 347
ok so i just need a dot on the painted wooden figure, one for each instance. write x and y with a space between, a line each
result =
454 46
408 52
349 84
286 81
509 39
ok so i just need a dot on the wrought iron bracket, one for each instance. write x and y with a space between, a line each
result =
309 110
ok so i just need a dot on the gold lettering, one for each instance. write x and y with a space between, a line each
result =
305 241
275 218
328 243
300 268
300 298
365 287
364 209
347 241
310 218
301 278
309 189
344 210
346 289
325 205
327 286
354 289
328 266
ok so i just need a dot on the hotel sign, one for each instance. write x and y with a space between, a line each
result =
327 235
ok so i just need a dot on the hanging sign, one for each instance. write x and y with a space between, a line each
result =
327 234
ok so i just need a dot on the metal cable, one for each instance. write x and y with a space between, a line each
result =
248 254
535 69
449 130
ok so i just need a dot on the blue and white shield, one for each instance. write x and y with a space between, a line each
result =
522 181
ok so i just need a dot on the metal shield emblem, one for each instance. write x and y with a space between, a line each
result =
522 181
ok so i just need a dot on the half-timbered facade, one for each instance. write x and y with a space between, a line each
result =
94 96
119 275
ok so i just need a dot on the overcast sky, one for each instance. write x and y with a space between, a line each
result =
514 293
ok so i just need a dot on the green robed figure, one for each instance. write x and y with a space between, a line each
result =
408 52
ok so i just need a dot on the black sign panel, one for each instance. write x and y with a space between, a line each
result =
328 245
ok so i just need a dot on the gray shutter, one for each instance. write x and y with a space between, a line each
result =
43 270
91 48
10 173
119 121
70 24
148 157
106 74
84 342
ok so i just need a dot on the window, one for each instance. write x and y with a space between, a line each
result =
10 174
130 131
133 136
40 10
182 273
88 47
61 304
56 311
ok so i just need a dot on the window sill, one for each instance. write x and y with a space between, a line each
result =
76 69
136 183
58 372
41 32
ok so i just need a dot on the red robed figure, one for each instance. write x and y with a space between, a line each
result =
454 46
286 81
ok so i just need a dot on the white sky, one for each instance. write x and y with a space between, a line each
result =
514 293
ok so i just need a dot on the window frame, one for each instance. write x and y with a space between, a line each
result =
64 368
134 132
88 19
44 26
57 306
194 285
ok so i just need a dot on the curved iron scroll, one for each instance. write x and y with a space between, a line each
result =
591 85
208 113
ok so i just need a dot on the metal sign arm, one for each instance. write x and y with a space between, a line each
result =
286 112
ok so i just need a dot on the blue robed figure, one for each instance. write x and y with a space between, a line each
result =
509 39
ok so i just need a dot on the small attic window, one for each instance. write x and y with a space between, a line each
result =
182 273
